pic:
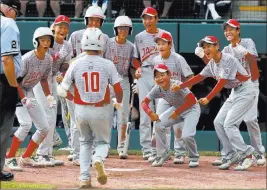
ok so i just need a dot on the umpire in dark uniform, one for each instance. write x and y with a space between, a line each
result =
9 72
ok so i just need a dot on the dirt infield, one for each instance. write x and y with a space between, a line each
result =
171 176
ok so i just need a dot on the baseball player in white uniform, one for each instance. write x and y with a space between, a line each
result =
92 75
180 71
145 51
120 51
230 74
183 107
61 53
36 67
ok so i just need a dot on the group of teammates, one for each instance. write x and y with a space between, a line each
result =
162 75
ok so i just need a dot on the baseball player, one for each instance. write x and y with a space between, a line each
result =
92 75
183 108
180 71
230 74
120 52
61 53
94 18
144 52
245 51
36 66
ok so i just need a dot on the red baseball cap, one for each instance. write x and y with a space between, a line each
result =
162 68
150 11
231 22
209 40
62 18
166 36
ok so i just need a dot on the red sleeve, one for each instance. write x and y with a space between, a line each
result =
118 92
69 96
192 81
145 105
21 93
255 74
219 86
190 100
136 63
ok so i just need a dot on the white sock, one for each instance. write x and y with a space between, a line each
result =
104 6
213 12
147 3
167 5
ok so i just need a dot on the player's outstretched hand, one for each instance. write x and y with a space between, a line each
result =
199 51
51 101
173 115
28 102
203 101
135 87
138 73
116 105
175 88
154 117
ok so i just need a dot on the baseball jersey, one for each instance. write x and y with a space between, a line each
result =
10 43
249 45
76 39
175 99
65 51
120 54
92 75
228 68
33 69
177 65
146 47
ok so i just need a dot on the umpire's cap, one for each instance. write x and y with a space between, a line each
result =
15 4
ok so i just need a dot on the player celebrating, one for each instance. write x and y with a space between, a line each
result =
36 66
230 74
180 71
120 52
145 51
92 75
183 108
61 54
94 18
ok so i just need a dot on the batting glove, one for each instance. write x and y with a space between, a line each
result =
28 102
51 101
240 51
116 105
135 87
199 51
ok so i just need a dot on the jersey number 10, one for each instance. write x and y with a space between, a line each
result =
93 79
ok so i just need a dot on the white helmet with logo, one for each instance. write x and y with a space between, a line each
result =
93 39
123 21
94 11
42 31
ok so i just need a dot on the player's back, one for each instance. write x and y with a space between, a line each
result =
92 76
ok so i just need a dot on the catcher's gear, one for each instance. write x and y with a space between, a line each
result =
94 11
93 39
42 31
123 21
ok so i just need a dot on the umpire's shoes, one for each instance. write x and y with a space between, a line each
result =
101 177
6 176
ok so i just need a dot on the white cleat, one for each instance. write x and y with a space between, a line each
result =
76 162
12 164
45 160
178 159
226 163
193 163
64 151
30 161
123 156
56 162
218 162
101 177
152 158
85 184
245 163
146 155
260 160
70 157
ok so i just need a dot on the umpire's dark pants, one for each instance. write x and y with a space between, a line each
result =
8 101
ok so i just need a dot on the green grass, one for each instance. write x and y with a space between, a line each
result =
21 185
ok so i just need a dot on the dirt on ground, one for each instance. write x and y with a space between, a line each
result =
142 175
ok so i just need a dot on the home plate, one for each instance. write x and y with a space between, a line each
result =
124 169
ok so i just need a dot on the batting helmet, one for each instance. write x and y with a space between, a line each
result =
94 11
42 31
93 39
123 21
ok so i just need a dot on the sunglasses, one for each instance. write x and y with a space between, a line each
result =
16 11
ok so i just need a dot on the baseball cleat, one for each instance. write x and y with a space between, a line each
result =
218 162
102 177
158 162
70 157
152 158
193 163
30 161
226 163
45 160
85 184
57 162
146 155
178 159
260 160
12 164
57 142
76 162
123 156
245 163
